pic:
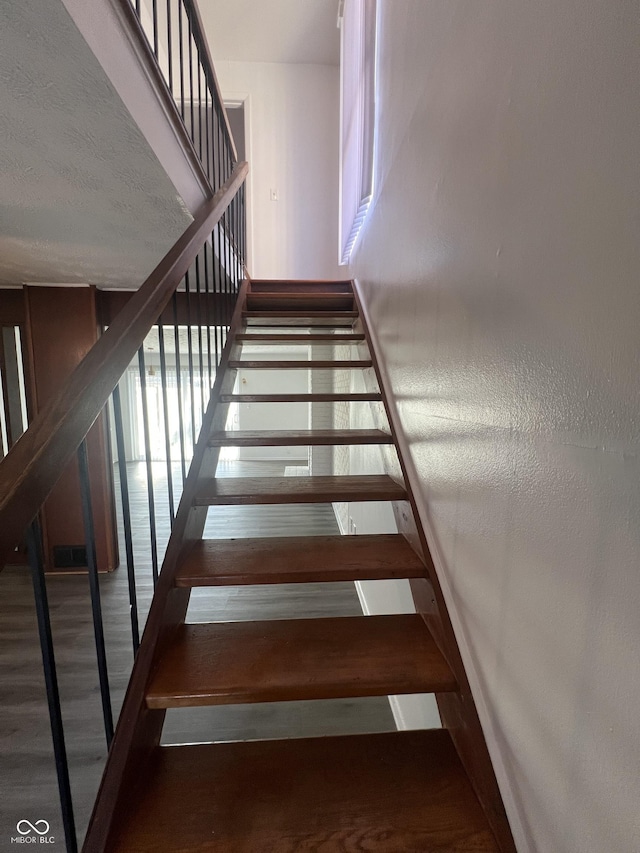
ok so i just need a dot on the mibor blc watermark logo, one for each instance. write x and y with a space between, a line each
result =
33 833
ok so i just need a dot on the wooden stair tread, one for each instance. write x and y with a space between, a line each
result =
299 286
318 489
283 338
298 559
278 298
300 398
292 301
295 315
384 793
300 437
300 364
223 663
307 319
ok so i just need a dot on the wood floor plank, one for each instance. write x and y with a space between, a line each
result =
299 559
383 793
300 398
278 490
309 364
224 663
299 438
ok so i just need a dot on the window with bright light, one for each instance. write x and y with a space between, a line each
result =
357 117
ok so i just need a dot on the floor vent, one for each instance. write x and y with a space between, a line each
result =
70 557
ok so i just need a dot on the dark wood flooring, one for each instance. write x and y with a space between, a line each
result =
27 775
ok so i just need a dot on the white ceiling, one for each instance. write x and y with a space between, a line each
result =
298 31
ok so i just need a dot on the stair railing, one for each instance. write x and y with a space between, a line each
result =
205 267
171 31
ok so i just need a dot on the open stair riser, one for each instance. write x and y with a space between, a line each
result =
316 559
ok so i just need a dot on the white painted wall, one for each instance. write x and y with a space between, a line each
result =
292 148
273 416
499 266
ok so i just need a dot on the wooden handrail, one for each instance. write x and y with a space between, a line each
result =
33 465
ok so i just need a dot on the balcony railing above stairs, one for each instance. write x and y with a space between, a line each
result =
208 262
172 34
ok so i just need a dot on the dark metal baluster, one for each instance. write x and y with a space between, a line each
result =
220 148
240 235
223 146
147 453
227 247
190 359
218 232
207 314
181 58
199 319
244 223
225 149
225 281
169 46
236 244
225 252
223 262
126 517
34 547
179 386
138 7
215 265
215 151
232 259
190 37
240 226
94 586
154 7
217 283
200 104
165 414
208 132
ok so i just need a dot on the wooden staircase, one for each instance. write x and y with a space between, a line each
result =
402 791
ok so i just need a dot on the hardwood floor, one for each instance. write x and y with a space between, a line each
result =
28 787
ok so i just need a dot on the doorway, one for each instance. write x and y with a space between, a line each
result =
235 111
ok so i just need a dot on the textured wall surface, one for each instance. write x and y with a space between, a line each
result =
82 196
499 266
